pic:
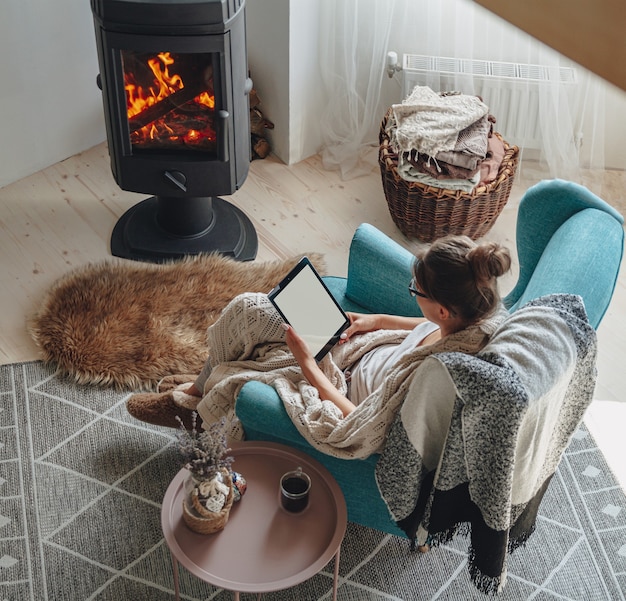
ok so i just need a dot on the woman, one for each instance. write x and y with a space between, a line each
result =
344 404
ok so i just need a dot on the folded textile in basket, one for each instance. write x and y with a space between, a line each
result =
413 166
490 167
476 155
410 173
471 146
430 123
438 169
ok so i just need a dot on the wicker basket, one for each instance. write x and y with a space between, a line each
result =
427 213
203 521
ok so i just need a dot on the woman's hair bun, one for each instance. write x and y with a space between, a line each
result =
489 260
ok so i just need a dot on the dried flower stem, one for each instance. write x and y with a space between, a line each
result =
205 453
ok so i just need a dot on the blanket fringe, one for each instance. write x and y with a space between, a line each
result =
521 540
489 585
446 536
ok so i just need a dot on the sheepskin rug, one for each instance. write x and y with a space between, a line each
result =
127 325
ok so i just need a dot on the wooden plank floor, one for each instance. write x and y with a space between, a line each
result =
62 217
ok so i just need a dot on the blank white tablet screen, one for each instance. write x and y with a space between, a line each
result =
310 310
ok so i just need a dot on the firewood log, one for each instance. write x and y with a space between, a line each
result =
260 147
165 106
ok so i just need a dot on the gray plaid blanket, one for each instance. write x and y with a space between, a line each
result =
512 411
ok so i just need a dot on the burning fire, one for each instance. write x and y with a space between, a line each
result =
137 100
181 120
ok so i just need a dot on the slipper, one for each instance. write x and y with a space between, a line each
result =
160 409
173 381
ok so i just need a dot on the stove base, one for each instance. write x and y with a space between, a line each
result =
161 229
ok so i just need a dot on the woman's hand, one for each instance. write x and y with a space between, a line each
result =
312 372
362 322
359 324
299 348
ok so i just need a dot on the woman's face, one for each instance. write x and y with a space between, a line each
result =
429 307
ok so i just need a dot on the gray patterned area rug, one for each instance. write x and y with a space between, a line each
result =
81 484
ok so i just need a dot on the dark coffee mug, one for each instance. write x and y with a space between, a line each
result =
294 491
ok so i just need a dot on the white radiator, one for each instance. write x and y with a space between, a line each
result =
510 90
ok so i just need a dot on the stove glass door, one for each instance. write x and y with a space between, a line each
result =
170 101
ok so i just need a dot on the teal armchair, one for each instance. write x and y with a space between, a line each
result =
568 241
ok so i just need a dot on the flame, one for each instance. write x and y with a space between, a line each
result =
193 135
206 99
137 99
165 83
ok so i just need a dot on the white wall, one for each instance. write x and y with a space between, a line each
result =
614 147
306 90
50 105
283 38
267 23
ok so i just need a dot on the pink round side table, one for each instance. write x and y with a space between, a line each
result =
262 548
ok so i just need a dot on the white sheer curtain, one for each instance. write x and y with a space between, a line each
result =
355 38
358 34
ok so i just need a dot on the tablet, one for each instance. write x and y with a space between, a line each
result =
305 303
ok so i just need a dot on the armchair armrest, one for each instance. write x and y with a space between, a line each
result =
260 409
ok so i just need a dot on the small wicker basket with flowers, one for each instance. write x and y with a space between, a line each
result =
209 489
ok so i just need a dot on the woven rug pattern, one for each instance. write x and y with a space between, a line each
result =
81 485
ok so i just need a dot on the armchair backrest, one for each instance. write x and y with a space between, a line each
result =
379 272
568 241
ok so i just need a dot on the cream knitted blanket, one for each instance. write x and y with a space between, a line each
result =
431 123
248 343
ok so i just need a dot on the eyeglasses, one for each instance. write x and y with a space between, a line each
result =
413 291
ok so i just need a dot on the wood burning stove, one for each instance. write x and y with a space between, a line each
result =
174 81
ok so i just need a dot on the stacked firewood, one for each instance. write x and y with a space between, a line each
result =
258 128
